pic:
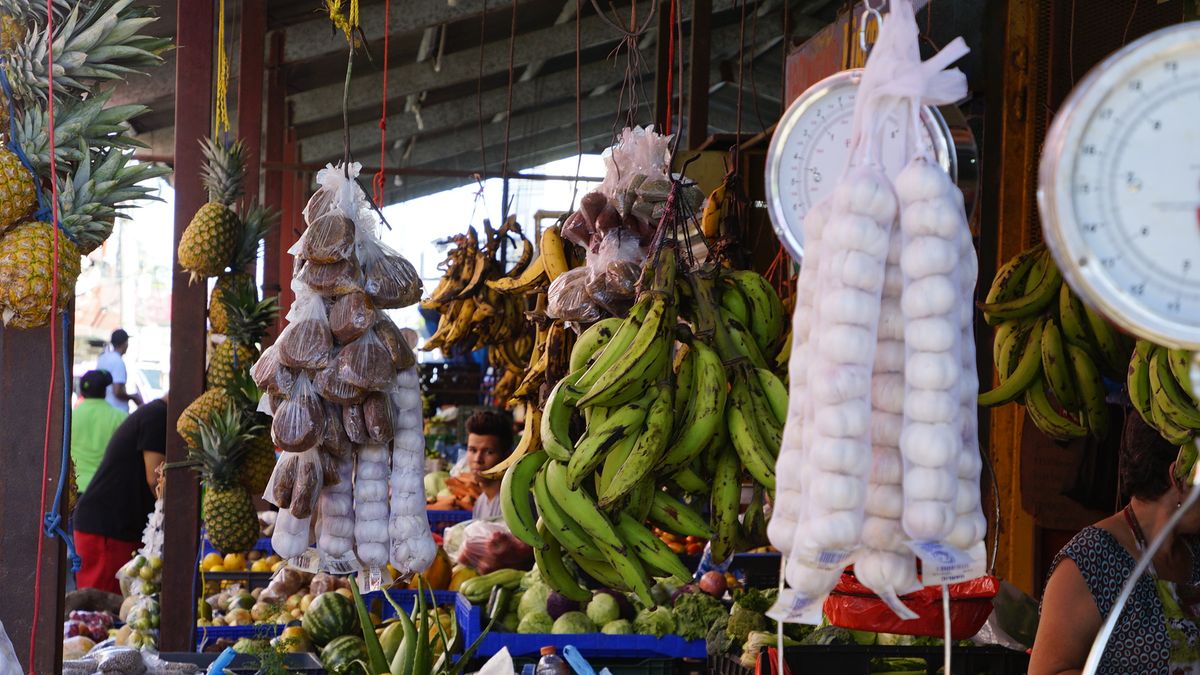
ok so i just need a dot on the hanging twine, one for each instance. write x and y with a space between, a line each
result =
348 23
221 119
378 180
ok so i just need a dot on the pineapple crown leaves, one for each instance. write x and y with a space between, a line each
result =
244 391
87 122
219 444
99 191
95 42
258 221
249 317
224 172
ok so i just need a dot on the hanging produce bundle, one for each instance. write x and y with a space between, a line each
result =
1161 389
342 389
94 43
660 410
1051 351
481 306
880 452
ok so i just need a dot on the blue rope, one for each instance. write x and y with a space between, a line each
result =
52 523
45 211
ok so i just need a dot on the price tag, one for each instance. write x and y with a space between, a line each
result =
308 561
342 565
942 563
795 607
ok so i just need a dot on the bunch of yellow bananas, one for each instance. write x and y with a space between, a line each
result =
1050 349
473 314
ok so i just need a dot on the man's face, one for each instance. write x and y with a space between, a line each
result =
484 452
122 348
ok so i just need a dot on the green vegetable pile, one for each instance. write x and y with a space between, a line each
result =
695 613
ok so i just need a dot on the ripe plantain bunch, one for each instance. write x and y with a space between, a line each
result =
1160 386
475 315
1050 350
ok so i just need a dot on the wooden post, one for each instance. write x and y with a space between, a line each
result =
25 358
273 180
697 115
662 95
193 94
250 90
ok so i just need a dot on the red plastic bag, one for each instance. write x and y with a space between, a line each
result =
853 606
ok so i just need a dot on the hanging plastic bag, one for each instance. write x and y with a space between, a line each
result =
568 298
299 421
388 277
335 527
351 316
335 390
396 344
366 363
271 376
329 213
307 341
355 424
377 416
331 279
334 440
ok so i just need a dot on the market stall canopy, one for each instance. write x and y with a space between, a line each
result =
448 96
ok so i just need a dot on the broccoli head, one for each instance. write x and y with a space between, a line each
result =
743 620
756 599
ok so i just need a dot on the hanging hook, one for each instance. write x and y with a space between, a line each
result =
870 13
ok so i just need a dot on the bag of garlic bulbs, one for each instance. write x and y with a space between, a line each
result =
879 432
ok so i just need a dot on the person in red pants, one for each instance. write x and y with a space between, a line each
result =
112 513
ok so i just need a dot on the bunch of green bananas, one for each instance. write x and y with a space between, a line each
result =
1160 386
639 412
1050 350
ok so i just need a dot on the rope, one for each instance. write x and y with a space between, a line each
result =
221 119
377 181
50 522
512 43
347 24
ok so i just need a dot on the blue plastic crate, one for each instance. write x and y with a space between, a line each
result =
406 598
440 520
210 634
591 645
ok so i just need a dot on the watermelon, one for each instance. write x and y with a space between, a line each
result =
345 655
329 616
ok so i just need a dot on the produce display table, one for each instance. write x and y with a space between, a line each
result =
244 663
856 660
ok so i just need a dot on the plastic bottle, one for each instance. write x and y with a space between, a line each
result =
551 663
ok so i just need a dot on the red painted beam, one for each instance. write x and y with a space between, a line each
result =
250 90
25 358
273 181
193 96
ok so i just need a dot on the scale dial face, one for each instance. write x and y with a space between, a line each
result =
1119 187
811 148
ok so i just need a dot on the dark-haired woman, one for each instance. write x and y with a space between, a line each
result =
1159 629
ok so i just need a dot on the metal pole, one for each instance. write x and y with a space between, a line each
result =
193 94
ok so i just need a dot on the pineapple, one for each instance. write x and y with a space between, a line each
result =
18 195
219 448
258 221
88 203
208 244
248 321
204 407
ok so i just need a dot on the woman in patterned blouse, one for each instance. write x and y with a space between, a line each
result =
1157 630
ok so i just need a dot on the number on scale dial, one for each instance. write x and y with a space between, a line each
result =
811 147
1119 188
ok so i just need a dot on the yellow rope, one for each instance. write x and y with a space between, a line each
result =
348 23
221 122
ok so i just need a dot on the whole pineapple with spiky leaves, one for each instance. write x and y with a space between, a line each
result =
207 246
219 448
204 407
88 203
258 221
248 321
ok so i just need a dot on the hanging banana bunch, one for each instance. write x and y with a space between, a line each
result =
1160 386
1051 351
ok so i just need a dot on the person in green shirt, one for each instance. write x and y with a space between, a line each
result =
92 425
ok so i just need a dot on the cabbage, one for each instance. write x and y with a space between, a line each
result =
603 609
535 622
534 600
657 622
573 622
435 483
618 627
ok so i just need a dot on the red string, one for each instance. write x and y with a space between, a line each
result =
670 67
377 181
37 577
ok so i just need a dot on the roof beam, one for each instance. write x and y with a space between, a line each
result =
317 39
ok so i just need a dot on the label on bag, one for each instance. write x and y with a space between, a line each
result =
342 564
795 607
308 561
942 563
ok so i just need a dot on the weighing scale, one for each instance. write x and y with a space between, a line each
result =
811 148
1119 196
